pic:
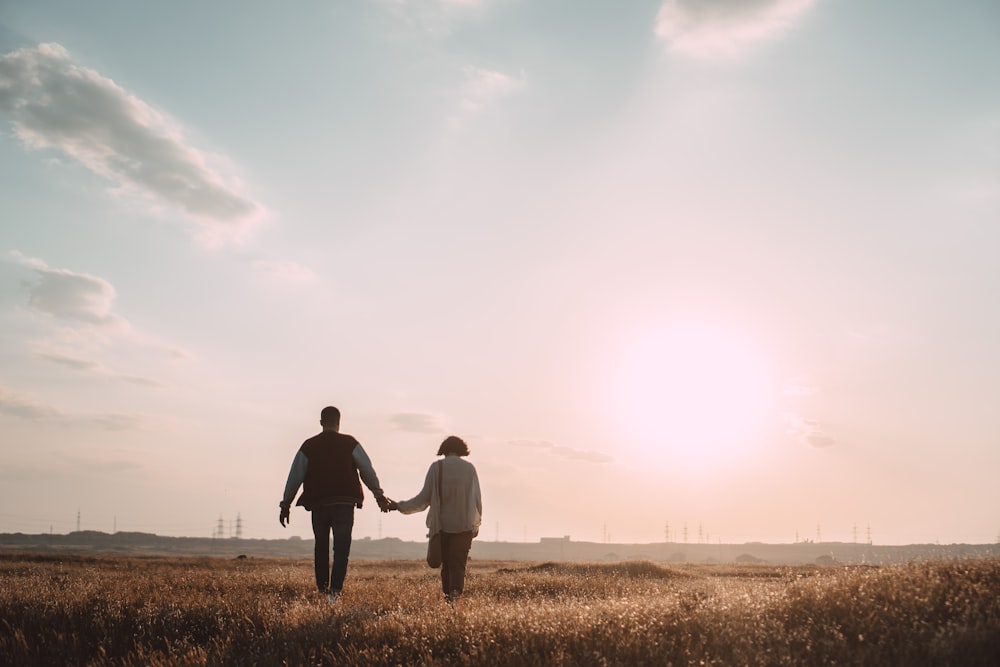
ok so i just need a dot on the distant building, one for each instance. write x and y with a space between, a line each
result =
554 540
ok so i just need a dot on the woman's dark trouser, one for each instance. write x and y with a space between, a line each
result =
338 519
454 555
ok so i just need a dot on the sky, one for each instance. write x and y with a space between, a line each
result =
684 270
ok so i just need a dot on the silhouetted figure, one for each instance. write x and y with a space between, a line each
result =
451 490
327 466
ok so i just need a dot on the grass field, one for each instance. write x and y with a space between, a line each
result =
57 610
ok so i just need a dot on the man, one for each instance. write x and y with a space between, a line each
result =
327 467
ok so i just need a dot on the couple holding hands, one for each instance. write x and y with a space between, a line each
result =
330 467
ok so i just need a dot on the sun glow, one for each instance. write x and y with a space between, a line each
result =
694 396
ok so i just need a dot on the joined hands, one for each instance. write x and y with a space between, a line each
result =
385 504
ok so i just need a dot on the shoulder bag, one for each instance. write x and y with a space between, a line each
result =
434 545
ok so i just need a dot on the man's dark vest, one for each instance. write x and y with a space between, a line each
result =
331 474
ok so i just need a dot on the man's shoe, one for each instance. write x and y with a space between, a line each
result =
332 597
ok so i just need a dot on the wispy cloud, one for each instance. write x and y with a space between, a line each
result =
25 407
95 368
70 296
483 85
564 452
724 28
436 17
78 321
797 389
114 421
416 422
18 405
112 465
286 271
57 104
806 431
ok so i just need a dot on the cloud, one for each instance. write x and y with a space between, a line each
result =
796 389
80 307
564 452
435 17
87 366
820 440
286 271
806 431
57 104
724 28
115 421
70 296
416 422
111 466
23 407
483 85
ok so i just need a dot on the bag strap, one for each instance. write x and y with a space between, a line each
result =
437 509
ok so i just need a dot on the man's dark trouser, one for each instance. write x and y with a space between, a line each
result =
454 555
338 519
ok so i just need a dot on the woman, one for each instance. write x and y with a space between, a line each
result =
456 511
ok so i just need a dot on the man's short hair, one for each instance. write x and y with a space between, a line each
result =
330 415
453 445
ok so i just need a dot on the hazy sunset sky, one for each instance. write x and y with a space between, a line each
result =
732 265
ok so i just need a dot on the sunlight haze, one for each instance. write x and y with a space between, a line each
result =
721 267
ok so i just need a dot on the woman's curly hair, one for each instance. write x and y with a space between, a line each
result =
453 445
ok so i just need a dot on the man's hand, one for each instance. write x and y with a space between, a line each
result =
384 503
284 519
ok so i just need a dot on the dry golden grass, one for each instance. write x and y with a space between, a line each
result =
57 610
